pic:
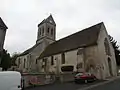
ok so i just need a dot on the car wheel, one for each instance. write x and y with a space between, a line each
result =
86 81
94 79
76 82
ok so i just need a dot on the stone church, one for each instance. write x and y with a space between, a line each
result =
88 50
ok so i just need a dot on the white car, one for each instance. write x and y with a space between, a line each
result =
10 80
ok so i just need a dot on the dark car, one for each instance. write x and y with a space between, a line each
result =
84 77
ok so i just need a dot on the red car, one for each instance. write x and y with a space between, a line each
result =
84 77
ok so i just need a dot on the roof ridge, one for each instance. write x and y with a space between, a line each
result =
29 49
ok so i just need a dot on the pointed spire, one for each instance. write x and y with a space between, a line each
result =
2 24
48 20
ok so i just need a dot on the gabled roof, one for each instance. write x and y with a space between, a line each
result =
48 20
84 38
29 50
2 24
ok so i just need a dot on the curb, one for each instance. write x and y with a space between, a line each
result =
34 86
99 84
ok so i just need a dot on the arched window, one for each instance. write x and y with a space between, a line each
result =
52 31
19 61
36 61
48 30
40 31
24 63
63 58
52 60
110 66
107 47
18 64
43 31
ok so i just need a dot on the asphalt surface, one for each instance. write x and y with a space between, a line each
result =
114 85
63 86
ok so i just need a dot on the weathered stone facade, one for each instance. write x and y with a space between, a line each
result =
89 50
46 35
92 58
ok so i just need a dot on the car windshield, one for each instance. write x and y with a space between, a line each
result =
79 74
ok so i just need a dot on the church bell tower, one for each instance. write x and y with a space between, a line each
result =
46 31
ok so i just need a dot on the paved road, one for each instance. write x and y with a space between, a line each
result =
114 85
65 86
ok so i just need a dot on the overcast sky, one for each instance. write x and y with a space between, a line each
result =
23 16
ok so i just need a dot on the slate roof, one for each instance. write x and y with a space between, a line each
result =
84 38
47 20
29 50
2 24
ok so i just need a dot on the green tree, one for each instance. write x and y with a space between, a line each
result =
13 58
5 60
116 49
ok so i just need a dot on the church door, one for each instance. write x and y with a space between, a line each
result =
110 66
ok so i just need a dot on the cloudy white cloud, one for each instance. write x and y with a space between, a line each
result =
23 16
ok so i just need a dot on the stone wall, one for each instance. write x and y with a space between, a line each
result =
103 57
43 79
37 79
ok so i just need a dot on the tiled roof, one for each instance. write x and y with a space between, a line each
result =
28 50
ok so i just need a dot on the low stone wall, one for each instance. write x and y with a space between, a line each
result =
43 79
37 79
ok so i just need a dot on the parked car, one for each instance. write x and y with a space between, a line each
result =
10 80
84 77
